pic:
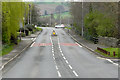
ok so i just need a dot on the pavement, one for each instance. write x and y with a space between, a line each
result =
59 57
84 41
90 45
18 49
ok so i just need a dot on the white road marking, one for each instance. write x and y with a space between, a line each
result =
62 54
61 51
51 40
78 44
116 64
110 60
53 55
66 61
59 74
34 39
56 67
32 44
59 46
75 73
101 58
54 58
70 66
52 51
52 47
64 58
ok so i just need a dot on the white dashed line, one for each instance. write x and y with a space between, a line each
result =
64 58
54 58
53 55
32 44
70 66
56 67
59 74
66 61
62 54
61 51
75 73
52 51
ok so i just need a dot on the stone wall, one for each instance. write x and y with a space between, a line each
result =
109 41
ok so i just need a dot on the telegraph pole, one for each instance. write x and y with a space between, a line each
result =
60 16
82 20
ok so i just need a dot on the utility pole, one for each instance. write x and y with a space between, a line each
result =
30 12
60 16
50 20
82 20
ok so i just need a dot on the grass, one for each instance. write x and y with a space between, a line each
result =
111 50
68 28
40 29
63 15
6 49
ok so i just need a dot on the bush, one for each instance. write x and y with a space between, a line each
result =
98 24
30 27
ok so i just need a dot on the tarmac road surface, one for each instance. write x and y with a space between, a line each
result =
59 57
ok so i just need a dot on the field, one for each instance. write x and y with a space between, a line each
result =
63 15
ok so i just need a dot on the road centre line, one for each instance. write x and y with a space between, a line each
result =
54 58
56 67
64 58
70 66
62 54
66 61
53 55
75 73
59 74
52 51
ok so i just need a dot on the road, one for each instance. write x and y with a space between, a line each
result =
59 57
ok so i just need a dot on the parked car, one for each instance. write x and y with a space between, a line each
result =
60 26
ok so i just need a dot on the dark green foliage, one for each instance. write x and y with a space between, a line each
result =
97 24
30 27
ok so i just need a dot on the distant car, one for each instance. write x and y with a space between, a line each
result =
60 26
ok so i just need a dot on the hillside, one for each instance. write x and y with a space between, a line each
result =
50 7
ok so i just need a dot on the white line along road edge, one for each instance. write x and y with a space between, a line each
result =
32 44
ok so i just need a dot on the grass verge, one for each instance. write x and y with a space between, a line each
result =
40 29
68 28
111 50
7 49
